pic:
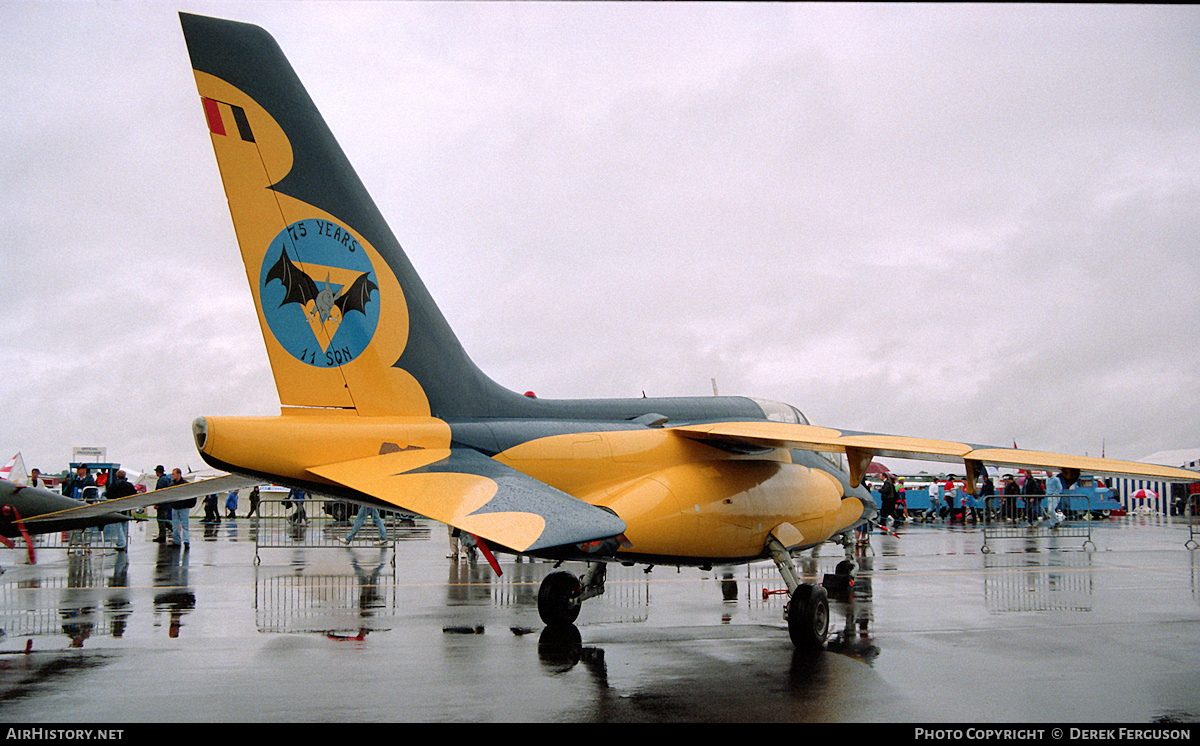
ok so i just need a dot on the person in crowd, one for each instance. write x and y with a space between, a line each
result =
211 513
1054 489
75 486
986 499
296 498
934 511
181 513
951 493
887 499
255 499
162 512
1032 491
119 487
1012 492
359 520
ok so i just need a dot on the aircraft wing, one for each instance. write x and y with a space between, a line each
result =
861 448
156 497
23 505
474 493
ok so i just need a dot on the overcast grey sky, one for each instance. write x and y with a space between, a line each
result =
956 221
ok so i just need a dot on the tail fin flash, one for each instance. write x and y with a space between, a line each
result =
346 321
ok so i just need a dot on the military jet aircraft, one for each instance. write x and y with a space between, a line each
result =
381 404
24 511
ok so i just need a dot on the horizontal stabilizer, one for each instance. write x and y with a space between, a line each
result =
474 493
860 448
157 497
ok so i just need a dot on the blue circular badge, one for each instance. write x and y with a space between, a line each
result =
319 293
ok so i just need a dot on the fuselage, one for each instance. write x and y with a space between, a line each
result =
684 501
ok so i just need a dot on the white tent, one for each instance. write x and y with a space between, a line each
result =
1186 459
14 470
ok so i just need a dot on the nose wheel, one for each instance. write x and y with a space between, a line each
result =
807 611
808 617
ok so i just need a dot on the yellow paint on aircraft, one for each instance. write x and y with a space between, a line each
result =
765 434
368 383
787 535
451 498
679 497
1085 464
905 447
813 438
321 438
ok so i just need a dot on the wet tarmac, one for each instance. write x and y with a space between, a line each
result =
1034 630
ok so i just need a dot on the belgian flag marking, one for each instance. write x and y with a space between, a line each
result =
218 113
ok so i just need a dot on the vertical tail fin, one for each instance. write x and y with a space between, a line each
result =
346 320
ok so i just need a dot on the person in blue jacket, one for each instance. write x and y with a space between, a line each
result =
1054 488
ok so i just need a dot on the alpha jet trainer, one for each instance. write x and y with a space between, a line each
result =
381 405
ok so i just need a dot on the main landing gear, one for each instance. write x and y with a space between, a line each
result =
807 612
561 593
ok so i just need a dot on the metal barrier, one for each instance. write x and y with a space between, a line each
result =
1191 543
75 541
81 540
1001 522
317 522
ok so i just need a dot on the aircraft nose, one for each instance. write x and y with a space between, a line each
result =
200 432
869 508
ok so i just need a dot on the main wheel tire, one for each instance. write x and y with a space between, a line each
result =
555 598
808 617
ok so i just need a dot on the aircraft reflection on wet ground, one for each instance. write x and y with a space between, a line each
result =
934 630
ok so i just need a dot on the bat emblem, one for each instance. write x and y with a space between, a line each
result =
324 323
300 288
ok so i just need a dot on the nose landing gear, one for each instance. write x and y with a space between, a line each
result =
807 616
807 610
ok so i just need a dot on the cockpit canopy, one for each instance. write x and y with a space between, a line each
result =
779 412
